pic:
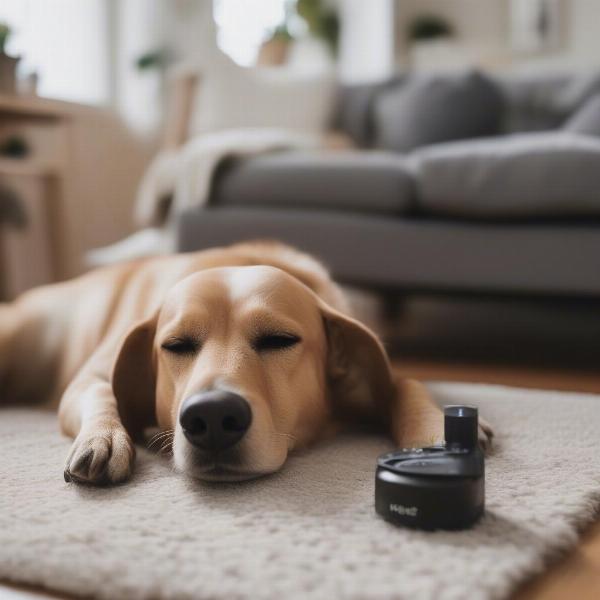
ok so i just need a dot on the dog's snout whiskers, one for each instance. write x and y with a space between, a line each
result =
162 442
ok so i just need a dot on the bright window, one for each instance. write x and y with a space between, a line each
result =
242 26
65 42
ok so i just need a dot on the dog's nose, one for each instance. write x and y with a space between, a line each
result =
215 420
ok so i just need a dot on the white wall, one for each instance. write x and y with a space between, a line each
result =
481 22
483 27
580 48
584 39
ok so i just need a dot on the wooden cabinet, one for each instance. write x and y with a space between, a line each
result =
27 252
30 249
77 185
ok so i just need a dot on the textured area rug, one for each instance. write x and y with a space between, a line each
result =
307 532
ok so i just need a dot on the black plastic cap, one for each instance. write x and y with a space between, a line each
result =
461 425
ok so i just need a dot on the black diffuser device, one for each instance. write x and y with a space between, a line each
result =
437 487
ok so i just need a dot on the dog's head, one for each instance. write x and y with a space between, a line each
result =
243 364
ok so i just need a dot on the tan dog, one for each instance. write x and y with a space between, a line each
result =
239 354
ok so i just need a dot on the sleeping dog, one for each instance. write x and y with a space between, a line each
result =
239 355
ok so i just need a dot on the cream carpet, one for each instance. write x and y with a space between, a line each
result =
309 531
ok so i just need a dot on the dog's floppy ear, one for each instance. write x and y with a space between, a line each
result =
358 368
134 378
363 386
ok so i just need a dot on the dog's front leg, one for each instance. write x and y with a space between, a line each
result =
102 452
416 420
5 332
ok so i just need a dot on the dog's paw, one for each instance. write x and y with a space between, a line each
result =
486 434
100 455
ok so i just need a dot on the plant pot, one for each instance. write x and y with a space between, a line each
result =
273 53
439 54
8 74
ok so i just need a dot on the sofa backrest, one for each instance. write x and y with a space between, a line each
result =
531 102
353 112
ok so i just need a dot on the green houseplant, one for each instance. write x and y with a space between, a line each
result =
274 50
431 42
323 21
426 28
8 64
5 32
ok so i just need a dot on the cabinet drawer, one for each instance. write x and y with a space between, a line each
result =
27 255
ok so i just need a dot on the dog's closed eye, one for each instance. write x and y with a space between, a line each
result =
275 341
180 346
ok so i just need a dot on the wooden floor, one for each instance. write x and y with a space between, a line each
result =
555 348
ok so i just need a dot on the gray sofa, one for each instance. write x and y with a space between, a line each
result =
461 183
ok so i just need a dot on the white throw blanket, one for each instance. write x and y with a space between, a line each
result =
186 174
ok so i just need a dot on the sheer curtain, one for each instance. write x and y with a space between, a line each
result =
66 43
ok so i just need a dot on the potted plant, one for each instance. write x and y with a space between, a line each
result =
274 50
8 64
428 28
322 20
432 42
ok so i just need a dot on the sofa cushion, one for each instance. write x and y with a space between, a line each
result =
531 100
374 182
524 176
436 108
587 119
353 113
230 96
577 92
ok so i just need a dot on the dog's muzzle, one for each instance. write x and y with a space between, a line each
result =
215 420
